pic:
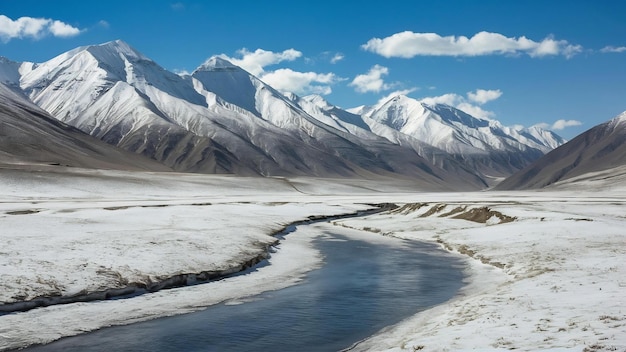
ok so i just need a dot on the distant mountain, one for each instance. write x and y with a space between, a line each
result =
366 128
441 133
484 145
221 119
29 135
244 93
599 149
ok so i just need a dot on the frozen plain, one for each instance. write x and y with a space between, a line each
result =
554 278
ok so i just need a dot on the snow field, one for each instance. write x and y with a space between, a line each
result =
551 279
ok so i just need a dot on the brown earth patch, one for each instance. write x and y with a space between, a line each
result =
483 214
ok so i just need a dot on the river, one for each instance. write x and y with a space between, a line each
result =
365 284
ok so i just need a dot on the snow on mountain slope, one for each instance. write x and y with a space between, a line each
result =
601 148
345 136
237 87
220 120
118 95
455 131
486 146
331 115
29 135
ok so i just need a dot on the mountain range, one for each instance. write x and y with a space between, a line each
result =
222 119
31 136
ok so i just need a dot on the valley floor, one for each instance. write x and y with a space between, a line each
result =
546 270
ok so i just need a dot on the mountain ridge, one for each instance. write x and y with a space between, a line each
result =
601 148
222 119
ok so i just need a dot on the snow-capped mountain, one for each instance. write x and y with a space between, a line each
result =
221 119
347 137
601 148
366 128
484 145
440 133
316 106
29 135
457 132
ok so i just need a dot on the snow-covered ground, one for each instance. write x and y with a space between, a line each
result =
552 278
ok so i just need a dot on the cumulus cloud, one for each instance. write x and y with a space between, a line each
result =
468 103
372 81
559 124
104 24
451 99
36 28
482 96
287 80
475 110
60 29
613 49
410 44
256 61
284 79
562 124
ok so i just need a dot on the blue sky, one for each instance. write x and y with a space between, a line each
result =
561 64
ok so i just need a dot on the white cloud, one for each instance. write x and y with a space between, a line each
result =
474 110
301 83
338 57
448 99
372 81
60 29
284 79
104 24
558 124
255 62
613 49
482 96
562 124
35 28
410 44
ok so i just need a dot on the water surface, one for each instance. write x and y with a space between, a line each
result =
362 287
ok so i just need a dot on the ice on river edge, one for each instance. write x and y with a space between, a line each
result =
553 278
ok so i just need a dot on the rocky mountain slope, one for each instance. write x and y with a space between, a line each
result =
482 144
442 134
29 135
222 119
599 149
219 120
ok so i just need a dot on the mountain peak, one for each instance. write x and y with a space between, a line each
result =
217 63
117 48
318 100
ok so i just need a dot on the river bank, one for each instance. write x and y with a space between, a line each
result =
562 264
554 274
362 285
